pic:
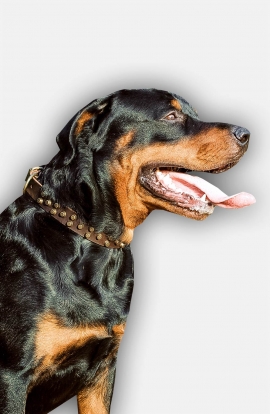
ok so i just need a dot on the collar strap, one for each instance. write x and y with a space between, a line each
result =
65 216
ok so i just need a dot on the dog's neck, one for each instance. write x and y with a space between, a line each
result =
81 192
65 215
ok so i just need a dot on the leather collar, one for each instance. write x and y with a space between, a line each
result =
65 216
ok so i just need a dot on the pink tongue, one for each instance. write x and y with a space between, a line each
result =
215 195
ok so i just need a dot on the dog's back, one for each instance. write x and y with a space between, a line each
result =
66 266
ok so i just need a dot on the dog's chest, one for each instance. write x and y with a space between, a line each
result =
58 346
53 339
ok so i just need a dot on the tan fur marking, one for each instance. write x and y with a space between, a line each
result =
207 150
124 140
92 400
176 104
86 116
127 235
53 338
119 330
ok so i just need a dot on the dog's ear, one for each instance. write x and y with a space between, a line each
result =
87 119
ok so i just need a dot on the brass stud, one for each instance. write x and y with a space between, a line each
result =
73 217
48 202
56 205
122 245
80 226
53 211
63 214
107 243
69 223
40 200
116 242
91 229
43 194
87 235
99 236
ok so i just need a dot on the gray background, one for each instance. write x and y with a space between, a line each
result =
197 338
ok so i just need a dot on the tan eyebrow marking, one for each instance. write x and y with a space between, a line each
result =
176 104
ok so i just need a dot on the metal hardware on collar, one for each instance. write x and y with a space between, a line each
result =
67 216
31 173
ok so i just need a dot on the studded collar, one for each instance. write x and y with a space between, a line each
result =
65 216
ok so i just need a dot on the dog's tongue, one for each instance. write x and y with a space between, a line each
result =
198 187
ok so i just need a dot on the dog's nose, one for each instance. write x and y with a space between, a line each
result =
242 135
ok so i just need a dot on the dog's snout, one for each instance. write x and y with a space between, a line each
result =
242 135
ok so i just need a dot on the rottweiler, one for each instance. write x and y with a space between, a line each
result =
66 265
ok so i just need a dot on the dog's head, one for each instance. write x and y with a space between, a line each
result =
130 153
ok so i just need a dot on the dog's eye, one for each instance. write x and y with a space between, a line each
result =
175 117
171 117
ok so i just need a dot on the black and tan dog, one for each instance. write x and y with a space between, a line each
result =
66 266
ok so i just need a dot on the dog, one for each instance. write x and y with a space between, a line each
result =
66 264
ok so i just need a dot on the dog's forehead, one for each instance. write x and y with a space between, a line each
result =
186 107
151 102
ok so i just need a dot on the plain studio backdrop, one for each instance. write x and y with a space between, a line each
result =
197 337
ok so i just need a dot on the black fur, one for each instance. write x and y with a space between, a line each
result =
45 267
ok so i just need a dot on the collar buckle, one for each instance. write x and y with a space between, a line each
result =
34 171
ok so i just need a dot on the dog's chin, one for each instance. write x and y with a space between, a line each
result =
187 212
193 208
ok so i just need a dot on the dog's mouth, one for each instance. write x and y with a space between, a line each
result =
173 184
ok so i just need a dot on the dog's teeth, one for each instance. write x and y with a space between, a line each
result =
167 179
178 190
172 186
159 174
203 198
